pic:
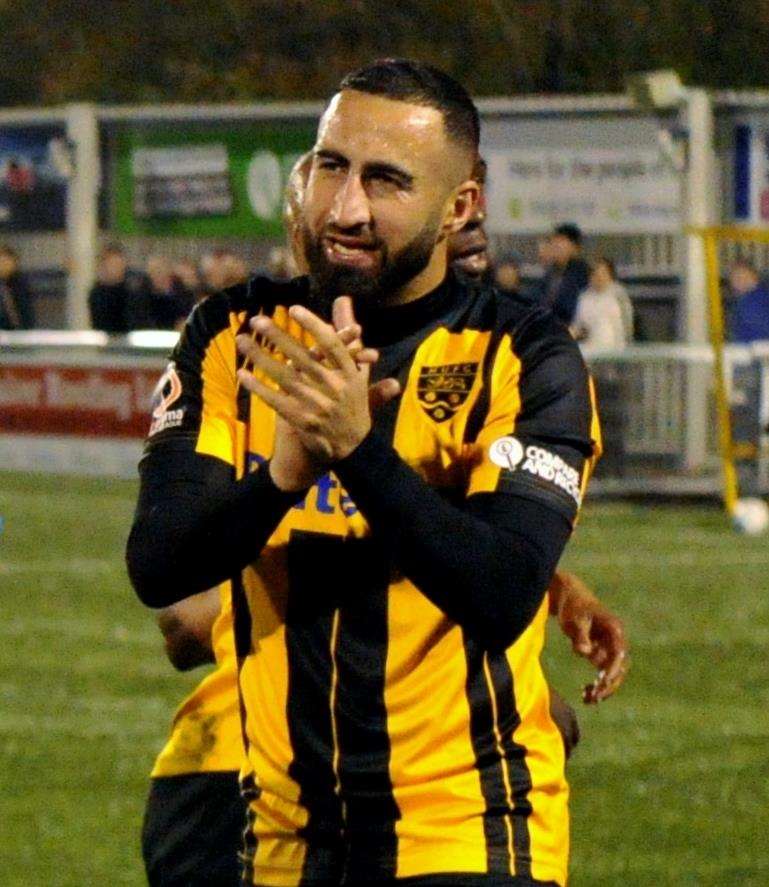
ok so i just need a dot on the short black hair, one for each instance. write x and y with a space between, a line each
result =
411 81
746 264
570 231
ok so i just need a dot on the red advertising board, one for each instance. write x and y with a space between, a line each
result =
77 401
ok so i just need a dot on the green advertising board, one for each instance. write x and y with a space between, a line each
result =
224 180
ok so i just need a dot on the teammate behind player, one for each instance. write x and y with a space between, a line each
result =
395 709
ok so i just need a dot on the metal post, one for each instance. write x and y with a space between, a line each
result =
699 194
82 211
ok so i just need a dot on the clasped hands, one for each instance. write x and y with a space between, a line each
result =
322 395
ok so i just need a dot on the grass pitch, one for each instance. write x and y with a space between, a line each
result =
669 784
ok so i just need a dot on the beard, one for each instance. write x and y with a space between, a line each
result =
368 288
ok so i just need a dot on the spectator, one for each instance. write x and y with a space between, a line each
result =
167 301
16 312
280 264
222 268
112 299
604 315
750 318
187 274
568 273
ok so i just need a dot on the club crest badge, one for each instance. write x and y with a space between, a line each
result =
443 389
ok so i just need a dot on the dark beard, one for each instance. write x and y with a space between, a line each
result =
329 281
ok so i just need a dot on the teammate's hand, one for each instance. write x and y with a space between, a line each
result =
595 633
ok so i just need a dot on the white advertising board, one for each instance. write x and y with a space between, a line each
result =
623 191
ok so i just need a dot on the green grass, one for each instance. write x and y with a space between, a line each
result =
669 784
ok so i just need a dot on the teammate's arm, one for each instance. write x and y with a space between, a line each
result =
186 628
594 631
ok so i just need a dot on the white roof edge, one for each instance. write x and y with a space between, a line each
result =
228 111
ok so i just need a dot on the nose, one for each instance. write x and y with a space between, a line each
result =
351 208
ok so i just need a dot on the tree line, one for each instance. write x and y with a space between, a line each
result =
195 50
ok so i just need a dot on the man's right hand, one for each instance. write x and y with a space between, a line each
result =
292 467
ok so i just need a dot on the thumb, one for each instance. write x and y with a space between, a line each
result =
341 312
382 392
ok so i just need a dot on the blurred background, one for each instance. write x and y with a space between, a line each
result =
144 152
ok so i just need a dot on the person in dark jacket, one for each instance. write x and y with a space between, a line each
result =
16 311
112 298
568 273
167 300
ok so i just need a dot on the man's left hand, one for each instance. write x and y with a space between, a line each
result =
326 401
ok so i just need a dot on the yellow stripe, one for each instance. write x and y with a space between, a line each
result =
332 705
503 759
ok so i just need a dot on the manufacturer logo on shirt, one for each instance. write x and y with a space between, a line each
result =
537 462
166 393
443 389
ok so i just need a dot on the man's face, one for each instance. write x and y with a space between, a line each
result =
113 268
379 194
469 247
7 265
742 280
562 249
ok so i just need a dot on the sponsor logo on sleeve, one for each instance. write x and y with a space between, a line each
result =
509 453
166 393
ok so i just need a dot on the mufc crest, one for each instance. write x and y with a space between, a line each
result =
442 390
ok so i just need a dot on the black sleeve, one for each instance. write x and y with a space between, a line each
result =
195 525
486 564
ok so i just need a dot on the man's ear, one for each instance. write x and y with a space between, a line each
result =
461 206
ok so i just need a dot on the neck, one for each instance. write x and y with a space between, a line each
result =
424 282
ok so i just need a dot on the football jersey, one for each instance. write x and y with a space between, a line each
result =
206 731
380 737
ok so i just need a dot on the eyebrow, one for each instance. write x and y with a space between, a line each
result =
375 166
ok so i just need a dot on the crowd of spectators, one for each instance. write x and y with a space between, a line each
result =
586 295
162 295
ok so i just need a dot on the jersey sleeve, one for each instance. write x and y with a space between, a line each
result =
195 400
541 435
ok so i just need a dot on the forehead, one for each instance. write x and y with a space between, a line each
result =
365 127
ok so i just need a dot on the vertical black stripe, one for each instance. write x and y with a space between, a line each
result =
480 409
508 721
250 792
309 623
361 715
488 761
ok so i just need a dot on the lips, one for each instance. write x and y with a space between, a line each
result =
350 251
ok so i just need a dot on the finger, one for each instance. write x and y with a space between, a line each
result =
613 676
608 681
382 392
580 640
289 381
366 355
293 350
342 314
280 402
325 337
350 336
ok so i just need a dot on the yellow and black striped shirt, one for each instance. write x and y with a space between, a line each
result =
390 729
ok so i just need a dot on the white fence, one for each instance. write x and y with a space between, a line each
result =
656 439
